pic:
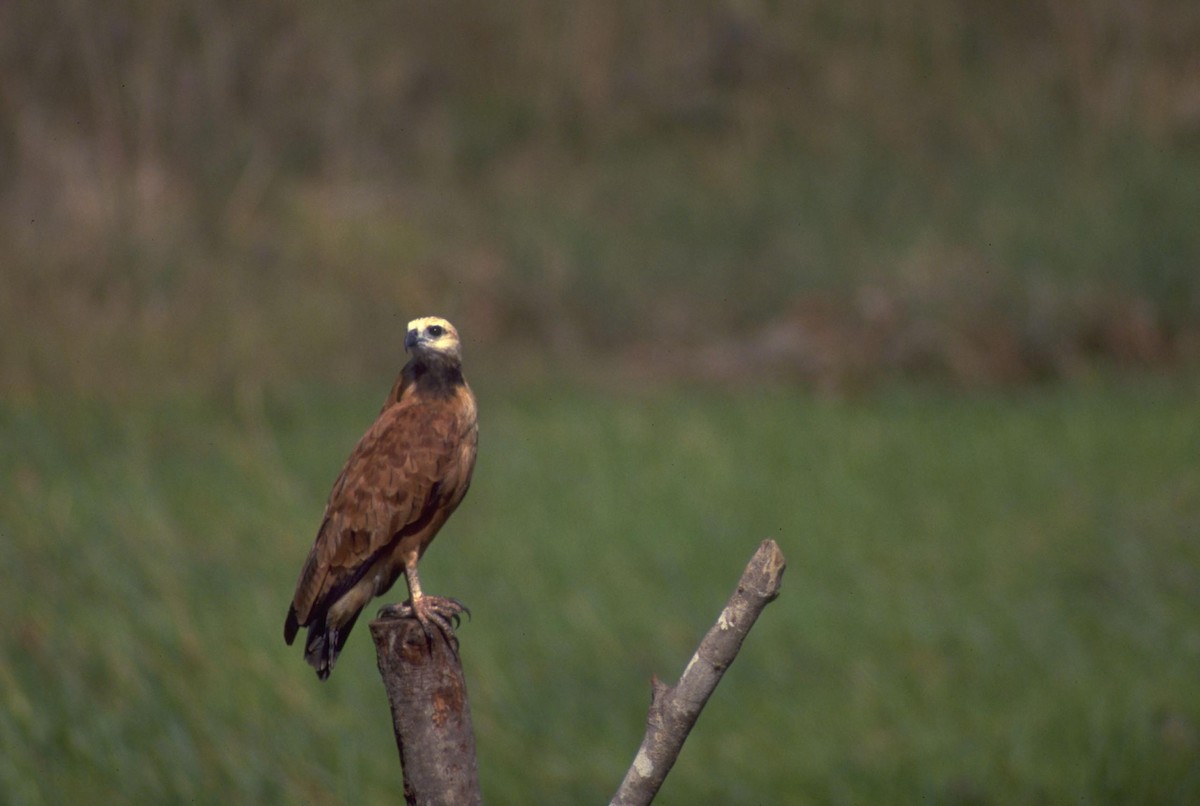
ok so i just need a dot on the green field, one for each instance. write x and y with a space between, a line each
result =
988 600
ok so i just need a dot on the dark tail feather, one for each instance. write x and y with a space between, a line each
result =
325 642
291 626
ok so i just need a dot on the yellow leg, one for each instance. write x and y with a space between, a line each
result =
414 581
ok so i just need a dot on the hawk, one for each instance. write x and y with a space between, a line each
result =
402 481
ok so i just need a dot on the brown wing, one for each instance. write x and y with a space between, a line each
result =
405 476
391 480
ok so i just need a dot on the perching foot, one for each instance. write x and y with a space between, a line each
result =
435 613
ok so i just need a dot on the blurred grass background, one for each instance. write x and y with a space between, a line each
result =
912 288
989 599
216 193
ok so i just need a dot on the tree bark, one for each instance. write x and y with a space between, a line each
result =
430 715
675 709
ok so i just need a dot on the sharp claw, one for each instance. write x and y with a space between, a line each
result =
458 605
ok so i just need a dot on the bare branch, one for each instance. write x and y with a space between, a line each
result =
430 715
674 709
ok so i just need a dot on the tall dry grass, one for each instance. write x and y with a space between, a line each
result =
236 194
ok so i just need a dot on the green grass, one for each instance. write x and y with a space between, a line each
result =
988 599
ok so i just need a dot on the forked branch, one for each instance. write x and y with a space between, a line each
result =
674 709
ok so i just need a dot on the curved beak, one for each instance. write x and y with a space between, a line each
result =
410 340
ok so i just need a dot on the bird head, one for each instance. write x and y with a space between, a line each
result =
432 337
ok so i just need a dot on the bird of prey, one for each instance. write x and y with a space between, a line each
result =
402 481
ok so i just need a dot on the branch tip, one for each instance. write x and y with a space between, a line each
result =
668 727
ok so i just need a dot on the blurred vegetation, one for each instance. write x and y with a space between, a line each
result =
216 217
232 194
1011 618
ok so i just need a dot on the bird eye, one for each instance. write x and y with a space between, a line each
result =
436 331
